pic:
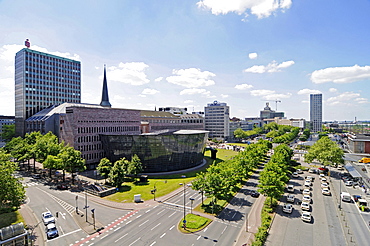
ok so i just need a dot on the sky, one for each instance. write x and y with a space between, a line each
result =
176 53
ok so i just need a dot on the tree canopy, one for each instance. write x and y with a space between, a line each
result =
327 152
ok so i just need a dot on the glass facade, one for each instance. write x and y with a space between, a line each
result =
164 152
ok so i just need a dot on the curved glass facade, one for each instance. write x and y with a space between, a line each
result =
163 152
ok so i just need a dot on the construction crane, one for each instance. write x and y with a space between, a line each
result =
276 102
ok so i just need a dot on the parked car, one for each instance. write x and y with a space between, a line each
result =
312 170
306 216
295 175
62 187
305 206
255 194
349 183
36 176
356 197
51 231
325 191
307 183
47 218
324 185
310 178
290 188
290 198
288 208
306 192
306 198
299 171
323 180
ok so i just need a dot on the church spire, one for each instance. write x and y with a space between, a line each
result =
104 97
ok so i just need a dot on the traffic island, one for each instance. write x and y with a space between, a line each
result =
193 223
89 225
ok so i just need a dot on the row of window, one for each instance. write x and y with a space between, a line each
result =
88 139
107 121
102 129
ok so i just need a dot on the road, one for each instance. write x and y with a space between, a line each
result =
325 228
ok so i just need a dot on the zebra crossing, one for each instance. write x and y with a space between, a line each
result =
68 207
28 184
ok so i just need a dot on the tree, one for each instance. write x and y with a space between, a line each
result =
271 184
104 167
12 191
240 134
8 132
135 166
71 161
118 172
199 183
326 152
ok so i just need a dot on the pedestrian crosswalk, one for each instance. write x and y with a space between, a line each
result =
68 207
30 184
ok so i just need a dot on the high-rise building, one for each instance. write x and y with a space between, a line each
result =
316 112
216 118
42 80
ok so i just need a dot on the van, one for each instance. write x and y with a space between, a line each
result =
364 160
345 196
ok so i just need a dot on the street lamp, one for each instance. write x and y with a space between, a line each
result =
86 207
184 220
191 204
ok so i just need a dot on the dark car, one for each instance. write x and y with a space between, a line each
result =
356 197
62 187
36 176
255 194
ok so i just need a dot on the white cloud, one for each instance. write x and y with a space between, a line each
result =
346 98
148 91
341 74
269 94
194 91
333 90
252 56
261 92
132 73
188 101
224 96
260 8
158 79
243 86
191 78
272 67
308 91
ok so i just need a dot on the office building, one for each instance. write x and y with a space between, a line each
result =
268 113
42 80
316 112
216 117
5 120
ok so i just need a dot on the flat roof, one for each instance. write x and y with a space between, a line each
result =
351 169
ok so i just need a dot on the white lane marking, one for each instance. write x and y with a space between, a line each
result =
143 223
205 229
90 244
129 222
162 235
199 237
160 212
171 214
138 216
121 237
135 241
61 229
172 227
152 243
103 236
155 226
148 211
71 233
224 230
117 228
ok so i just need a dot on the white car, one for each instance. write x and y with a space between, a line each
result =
322 175
295 175
307 183
306 216
323 180
299 171
324 185
290 198
306 198
349 183
305 206
306 192
47 218
310 178
288 208
290 188
326 192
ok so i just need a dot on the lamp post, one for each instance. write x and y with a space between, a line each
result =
86 207
340 193
76 205
93 216
184 220
191 204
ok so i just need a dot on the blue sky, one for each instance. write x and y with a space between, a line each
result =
189 53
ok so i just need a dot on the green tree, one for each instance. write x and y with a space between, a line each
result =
135 166
199 183
240 134
104 167
327 152
271 184
8 132
71 161
12 191
118 172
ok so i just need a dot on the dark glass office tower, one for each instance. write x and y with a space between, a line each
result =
316 112
42 80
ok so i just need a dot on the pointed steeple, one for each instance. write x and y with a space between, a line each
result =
105 97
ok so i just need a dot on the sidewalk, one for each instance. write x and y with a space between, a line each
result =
35 227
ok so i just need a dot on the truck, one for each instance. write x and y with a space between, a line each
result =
364 160
362 205
346 197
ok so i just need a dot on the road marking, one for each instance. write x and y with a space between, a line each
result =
103 236
155 226
199 237
153 243
135 241
160 212
205 229
172 227
61 229
148 211
138 216
117 228
121 237
70 233
224 230
143 223
171 214
162 235
90 244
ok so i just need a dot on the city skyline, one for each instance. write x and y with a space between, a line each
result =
191 53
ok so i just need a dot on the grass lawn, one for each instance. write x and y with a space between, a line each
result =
8 219
193 223
163 184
